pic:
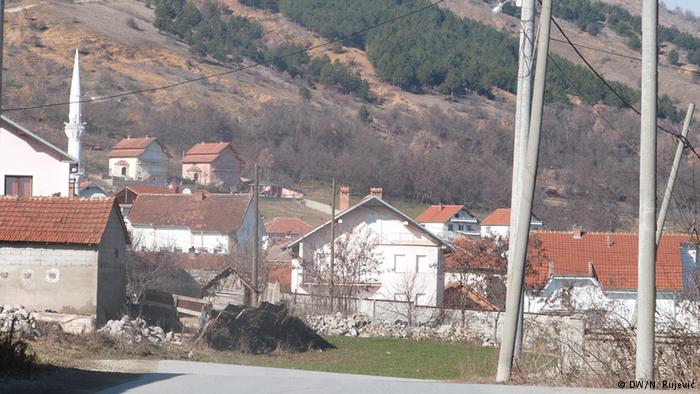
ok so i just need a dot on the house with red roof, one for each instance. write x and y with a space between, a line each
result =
286 227
66 255
127 195
141 159
449 221
497 224
213 164
200 222
607 262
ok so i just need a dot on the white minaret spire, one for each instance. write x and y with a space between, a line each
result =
75 127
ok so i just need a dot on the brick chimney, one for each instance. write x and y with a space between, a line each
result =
550 269
344 198
576 231
591 269
376 192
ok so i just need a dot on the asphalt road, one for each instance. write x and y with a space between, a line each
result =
175 377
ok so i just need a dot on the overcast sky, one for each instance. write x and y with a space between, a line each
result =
692 5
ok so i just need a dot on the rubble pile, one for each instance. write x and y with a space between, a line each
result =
362 326
264 329
24 323
138 331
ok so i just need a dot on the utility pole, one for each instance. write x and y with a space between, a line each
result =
522 123
256 228
332 289
646 265
517 273
672 176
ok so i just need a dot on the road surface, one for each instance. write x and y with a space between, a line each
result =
181 377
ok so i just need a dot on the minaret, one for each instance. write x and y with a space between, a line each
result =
75 127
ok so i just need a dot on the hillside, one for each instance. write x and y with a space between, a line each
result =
423 147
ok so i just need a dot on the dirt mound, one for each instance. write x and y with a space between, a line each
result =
264 329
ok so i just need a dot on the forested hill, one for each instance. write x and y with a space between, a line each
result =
422 106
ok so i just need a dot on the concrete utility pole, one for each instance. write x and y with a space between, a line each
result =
672 176
517 272
522 124
332 258
646 265
256 228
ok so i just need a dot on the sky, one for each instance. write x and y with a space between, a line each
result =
692 5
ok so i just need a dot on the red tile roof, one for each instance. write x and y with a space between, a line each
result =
613 257
131 147
438 213
501 217
145 188
205 152
290 226
222 213
54 219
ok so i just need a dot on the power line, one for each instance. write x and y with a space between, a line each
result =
230 71
622 55
677 135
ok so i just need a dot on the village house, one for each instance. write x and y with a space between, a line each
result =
449 221
605 264
200 222
285 227
409 258
497 224
31 166
141 159
127 195
213 164
66 255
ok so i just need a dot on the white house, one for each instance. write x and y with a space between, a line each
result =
581 270
497 224
30 165
449 221
200 222
408 258
142 159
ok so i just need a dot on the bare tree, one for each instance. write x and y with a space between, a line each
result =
356 265
407 291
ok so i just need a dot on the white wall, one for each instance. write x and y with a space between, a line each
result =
494 231
155 238
22 158
393 238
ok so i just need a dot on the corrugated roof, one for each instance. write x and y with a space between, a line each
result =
54 219
438 213
613 258
222 213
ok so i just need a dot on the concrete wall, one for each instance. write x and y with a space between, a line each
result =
226 169
111 271
28 158
62 278
182 238
131 167
154 164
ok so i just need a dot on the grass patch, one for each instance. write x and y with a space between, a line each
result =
368 356
284 208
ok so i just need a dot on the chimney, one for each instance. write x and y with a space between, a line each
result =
199 195
608 241
71 188
591 270
550 270
344 198
440 207
577 231
376 192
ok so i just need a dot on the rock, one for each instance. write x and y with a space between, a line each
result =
137 331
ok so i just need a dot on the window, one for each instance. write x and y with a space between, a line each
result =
421 299
449 227
460 227
123 171
18 185
195 177
400 263
422 264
